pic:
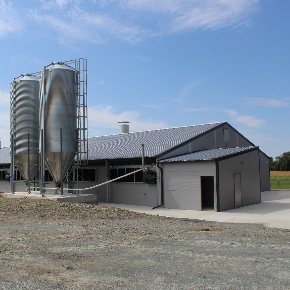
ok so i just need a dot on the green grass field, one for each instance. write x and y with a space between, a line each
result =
280 182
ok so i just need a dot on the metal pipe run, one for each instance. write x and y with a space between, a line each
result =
109 181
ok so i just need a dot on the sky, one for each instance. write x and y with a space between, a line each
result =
160 63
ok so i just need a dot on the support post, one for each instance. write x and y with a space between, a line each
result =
61 165
108 178
42 164
78 135
12 169
28 159
143 162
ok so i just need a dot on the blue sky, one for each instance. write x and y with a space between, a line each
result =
161 63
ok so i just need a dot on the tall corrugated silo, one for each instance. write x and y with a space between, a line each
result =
25 124
58 118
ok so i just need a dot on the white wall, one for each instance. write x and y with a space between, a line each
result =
182 188
247 165
134 193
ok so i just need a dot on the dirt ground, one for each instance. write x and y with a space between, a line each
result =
50 245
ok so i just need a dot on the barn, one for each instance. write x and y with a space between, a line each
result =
192 167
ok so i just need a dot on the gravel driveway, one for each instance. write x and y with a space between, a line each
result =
49 245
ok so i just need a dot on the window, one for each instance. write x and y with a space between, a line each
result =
18 175
138 176
226 134
3 174
118 172
82 174
87 174
113 173
48 176
130 178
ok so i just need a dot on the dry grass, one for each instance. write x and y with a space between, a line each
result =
279 173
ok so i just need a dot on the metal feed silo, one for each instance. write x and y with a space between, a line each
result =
58 118
25 124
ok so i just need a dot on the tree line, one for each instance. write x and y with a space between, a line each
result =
281 163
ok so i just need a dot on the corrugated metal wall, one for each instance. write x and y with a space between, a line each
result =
99 191
264 172
182 189
212 140
248 166
134 193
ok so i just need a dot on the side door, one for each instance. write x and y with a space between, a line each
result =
238 192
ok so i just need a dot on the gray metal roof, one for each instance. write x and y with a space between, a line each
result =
155 142
5 155
211 154
129 145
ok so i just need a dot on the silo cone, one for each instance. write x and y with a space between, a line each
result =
58 118
25 125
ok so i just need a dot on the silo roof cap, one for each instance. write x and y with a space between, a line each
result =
58 65
26 77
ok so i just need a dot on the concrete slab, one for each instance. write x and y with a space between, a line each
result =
82 198
273 211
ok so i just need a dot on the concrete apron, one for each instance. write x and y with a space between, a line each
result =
273 211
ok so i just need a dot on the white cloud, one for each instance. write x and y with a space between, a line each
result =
25 59
273 147
52 4
134 20
270 103
77 25
106 117
9 19
185 91
5 100
61 3
249 121
213 14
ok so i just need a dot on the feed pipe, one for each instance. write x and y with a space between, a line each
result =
161 189
109 181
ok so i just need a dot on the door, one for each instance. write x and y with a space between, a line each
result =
207 192
238 192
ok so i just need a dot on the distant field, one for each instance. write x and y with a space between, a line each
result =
280 181
279 173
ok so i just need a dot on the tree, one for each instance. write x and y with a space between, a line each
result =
273 164
281 163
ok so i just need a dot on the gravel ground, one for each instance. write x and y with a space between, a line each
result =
50 245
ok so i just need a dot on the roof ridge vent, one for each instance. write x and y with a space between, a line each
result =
124 127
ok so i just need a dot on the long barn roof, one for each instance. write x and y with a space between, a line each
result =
155 142
5 155
128 145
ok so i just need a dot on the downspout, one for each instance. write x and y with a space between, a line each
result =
259 157
161 187
217 206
